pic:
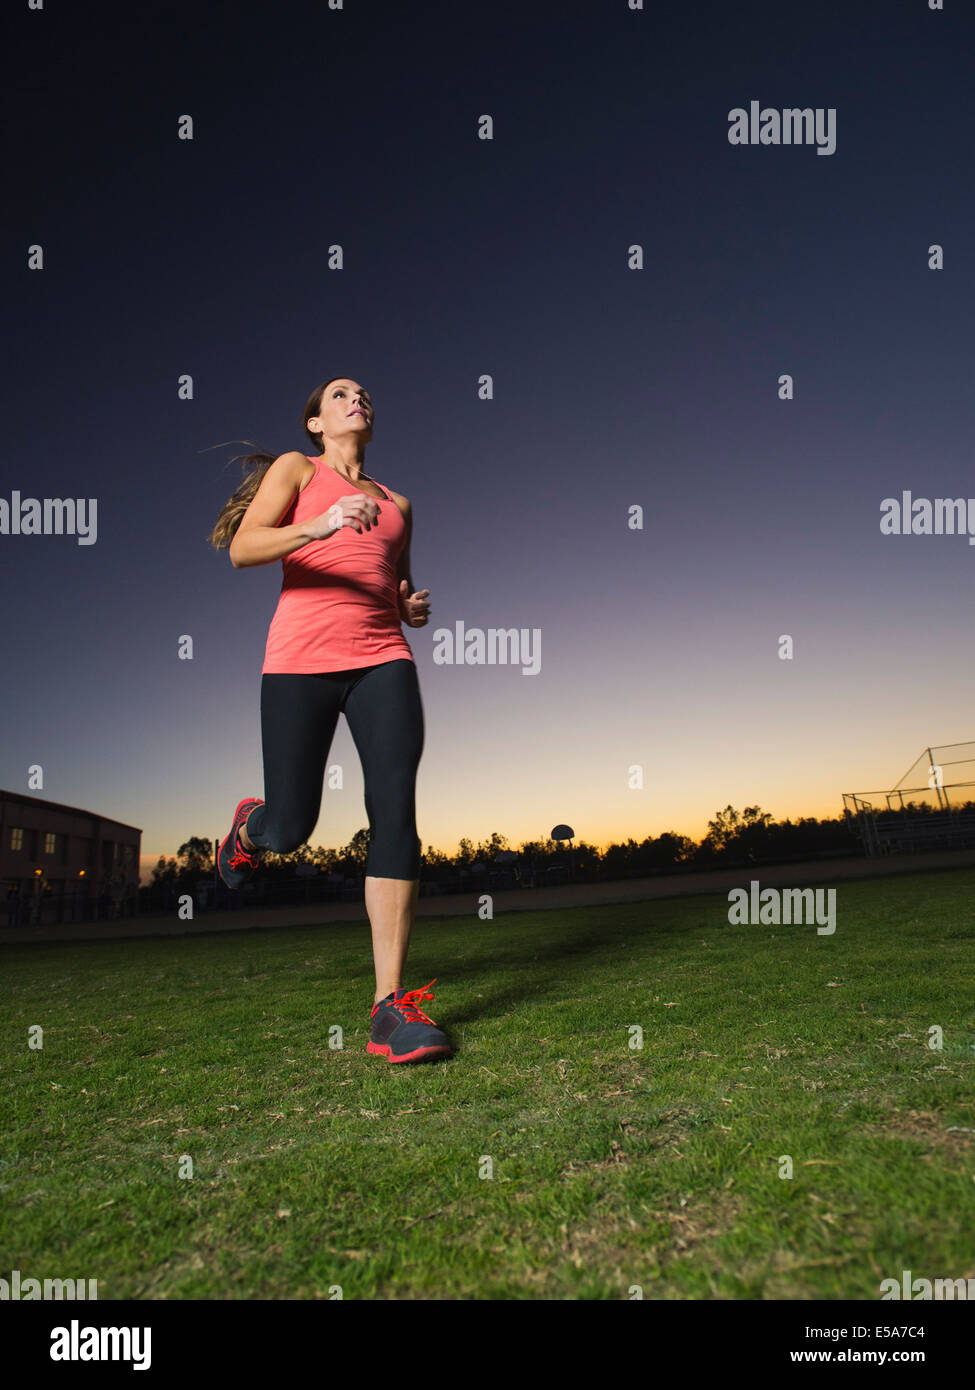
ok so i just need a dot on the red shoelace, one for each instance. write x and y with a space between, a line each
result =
409 1004
241 855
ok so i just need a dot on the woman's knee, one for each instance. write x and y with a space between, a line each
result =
283 837
394 856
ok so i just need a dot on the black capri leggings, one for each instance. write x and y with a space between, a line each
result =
299 713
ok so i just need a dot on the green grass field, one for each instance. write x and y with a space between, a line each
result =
612 1167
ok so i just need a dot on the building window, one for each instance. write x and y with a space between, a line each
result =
16 837
49 842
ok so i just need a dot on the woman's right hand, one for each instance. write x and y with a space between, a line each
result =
355 509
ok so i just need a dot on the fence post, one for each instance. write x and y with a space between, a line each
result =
942 798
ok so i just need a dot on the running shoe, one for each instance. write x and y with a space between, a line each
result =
235 863
401 1031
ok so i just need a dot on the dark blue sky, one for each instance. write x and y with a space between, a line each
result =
612 388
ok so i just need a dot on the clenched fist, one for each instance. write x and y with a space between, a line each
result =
413 608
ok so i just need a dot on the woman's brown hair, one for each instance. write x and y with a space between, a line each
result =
234 508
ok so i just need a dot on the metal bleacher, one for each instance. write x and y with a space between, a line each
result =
932 807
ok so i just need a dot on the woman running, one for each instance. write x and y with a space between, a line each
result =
335 645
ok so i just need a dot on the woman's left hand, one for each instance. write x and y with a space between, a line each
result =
414 608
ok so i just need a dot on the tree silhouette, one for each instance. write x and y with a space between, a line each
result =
195 855
433 857
728 826
357 849
487 849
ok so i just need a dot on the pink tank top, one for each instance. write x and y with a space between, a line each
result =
338 608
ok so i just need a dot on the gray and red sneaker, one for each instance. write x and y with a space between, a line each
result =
401 1031
235 863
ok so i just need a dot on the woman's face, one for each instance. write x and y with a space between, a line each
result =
346 408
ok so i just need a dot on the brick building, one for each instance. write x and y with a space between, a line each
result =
62 864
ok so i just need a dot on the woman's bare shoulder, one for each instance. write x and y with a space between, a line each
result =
299 465
402 502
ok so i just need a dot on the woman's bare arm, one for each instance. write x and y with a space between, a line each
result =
259 539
